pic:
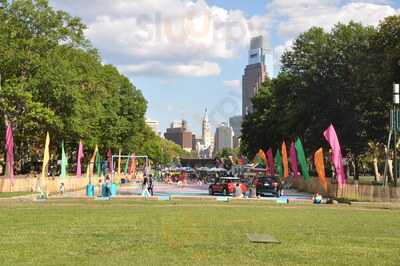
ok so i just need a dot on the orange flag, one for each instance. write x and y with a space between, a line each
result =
132 168
319 166
285 161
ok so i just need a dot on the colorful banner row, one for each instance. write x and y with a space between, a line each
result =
297 156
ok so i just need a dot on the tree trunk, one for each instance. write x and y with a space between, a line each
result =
333 170
376 170
355 168
390 166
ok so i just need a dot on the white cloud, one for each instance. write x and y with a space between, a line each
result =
294 17
291 18
157 68
278 52
233 84
152 37
179 31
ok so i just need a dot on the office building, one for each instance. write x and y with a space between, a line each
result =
235 123
223 138
154 125
255 73
179 134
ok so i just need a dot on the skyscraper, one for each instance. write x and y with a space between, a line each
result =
223 138
255 73
235 122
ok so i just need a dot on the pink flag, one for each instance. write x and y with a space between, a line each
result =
110 162
293 160
271 165
80 156
10 152
331 137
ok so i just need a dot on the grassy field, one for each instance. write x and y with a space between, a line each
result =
191 232
14 194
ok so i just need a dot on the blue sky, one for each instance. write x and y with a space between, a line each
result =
188 55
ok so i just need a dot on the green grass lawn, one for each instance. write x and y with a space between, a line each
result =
14 194
191 232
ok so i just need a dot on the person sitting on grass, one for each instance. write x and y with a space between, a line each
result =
317 198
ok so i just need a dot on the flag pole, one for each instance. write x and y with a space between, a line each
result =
396 101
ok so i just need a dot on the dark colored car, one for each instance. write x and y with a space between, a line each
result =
226 186
267 186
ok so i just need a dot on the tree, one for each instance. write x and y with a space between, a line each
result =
53 80
332 77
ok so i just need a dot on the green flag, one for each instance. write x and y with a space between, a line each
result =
302 159
126 166
278 163
64 161
98 164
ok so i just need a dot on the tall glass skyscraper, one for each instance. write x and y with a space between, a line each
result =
255 73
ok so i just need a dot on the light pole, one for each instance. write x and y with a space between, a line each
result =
395 112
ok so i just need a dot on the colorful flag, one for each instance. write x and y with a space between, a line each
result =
126 168
79 159
320 167
110 161
278 163
302 159
132 168
285 161
98 164
10 153
93 161
64 161
88 173
293 160
119 162
46 156
260 159
270 159
337 159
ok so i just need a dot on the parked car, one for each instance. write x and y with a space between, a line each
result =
226 186
268 186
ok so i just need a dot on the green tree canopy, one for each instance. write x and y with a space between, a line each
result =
336 77
53 80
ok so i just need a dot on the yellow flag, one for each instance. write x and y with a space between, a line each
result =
46 156
92 161
88 171
119 163
319 166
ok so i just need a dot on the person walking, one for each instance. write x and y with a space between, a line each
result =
108 186
145 190
150 185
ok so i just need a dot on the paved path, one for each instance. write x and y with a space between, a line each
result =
162 189
166 189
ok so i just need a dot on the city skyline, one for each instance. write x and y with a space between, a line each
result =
182 74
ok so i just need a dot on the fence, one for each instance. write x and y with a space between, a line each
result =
354 191
29 184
